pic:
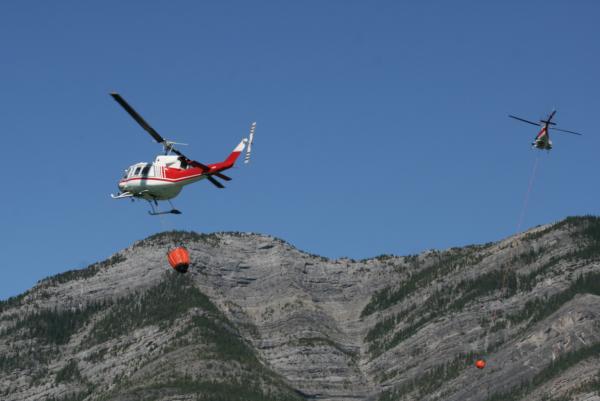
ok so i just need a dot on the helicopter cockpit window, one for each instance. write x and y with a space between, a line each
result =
137 171
145 170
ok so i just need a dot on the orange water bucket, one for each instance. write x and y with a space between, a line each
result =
179 259
480 363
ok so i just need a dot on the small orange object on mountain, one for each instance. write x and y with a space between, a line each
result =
179 259
480 363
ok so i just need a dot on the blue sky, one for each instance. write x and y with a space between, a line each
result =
382 126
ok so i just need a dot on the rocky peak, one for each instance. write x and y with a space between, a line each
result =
256 318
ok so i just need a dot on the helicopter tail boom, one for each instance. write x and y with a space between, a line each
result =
231 159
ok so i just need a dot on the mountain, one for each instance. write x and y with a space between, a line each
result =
257 319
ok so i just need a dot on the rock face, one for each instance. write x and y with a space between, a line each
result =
257 319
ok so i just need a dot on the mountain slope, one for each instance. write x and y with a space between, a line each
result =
258 319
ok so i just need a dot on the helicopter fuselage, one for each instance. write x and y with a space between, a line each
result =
161 180
542 140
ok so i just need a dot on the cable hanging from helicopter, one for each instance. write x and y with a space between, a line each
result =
164 178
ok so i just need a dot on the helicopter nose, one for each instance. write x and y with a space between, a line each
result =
121 186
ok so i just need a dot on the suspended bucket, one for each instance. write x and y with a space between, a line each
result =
480 363
179 259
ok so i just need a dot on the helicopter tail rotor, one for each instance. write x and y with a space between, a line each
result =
250 140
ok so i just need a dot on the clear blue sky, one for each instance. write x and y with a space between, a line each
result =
382 126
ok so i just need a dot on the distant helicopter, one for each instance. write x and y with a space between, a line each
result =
542 140
168 174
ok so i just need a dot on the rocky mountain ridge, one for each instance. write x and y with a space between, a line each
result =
256 318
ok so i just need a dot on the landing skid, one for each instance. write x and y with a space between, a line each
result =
155 211
173 211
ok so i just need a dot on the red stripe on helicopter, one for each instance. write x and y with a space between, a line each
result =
541 134
171 175
162 179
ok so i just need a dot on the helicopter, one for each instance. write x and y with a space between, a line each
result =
164 178
542 140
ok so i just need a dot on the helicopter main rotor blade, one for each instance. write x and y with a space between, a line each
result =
138 118
567 131
215 182
549 119
198 164
178 153
222 176
525 121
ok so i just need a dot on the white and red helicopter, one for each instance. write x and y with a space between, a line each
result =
542 140
164 178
